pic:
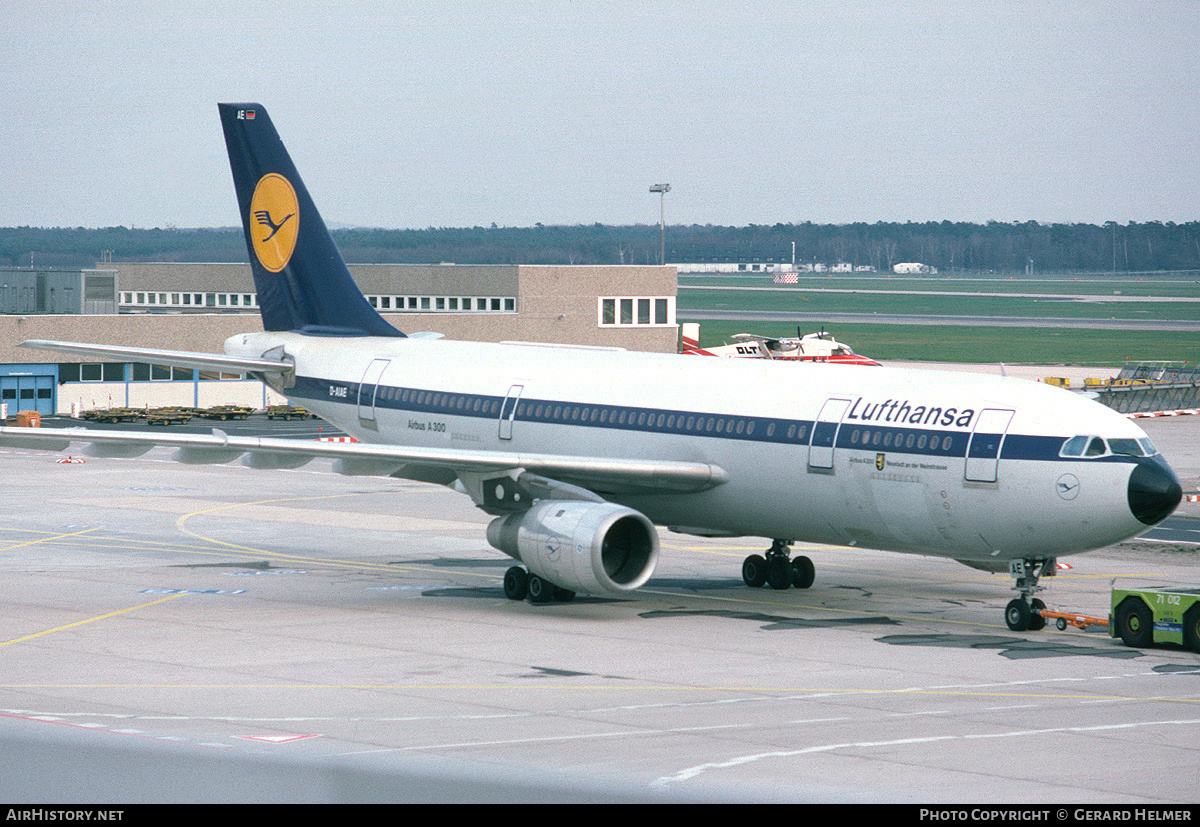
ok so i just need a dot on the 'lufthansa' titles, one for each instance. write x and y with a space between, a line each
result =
903 412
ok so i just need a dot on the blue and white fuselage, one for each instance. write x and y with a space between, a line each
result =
958 465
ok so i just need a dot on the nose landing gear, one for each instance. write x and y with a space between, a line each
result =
1025 612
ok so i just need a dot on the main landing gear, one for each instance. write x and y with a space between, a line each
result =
1025 612
519 584
776 570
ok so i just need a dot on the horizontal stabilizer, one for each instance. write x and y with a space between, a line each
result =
173 358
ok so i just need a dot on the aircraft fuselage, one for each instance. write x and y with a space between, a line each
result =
903 460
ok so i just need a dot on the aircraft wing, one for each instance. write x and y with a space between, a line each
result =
770 343
176 358
442 465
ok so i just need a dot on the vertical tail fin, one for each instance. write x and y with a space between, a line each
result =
301 279
690 335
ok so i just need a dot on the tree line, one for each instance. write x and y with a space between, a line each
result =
949 246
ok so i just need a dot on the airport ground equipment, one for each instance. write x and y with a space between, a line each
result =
1064 619
116 414
1163 614
224 412
169 416
286 412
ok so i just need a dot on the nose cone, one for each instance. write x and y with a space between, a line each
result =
1154 490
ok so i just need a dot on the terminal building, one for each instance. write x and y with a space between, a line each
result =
196 306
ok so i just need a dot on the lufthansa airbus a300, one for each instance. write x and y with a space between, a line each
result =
581 452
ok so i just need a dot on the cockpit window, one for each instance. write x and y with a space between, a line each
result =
1073 447
1094 446
1129 447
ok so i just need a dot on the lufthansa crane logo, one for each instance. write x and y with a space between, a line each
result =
274 221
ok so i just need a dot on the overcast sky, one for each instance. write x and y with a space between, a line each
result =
463 112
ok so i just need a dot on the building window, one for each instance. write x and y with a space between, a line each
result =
636 311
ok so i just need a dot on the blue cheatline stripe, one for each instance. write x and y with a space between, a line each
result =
865 437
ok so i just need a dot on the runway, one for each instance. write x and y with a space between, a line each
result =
217 633
726 314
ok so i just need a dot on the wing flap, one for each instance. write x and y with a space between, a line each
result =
600 474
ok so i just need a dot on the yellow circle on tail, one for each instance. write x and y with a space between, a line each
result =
274 221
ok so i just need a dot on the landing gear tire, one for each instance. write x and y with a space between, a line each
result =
1025 612
516 583
1135 623
540 591
754 571
1017 615
803 572
1036 621
779 573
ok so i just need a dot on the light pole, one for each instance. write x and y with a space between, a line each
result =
662 190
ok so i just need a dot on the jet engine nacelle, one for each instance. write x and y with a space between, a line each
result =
586 547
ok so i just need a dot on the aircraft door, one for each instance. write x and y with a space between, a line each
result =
367 389
820 447
983 451
508 410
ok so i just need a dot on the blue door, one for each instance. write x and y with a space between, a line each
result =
28 392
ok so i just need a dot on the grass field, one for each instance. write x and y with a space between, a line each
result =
1039 343
1014 345
896 303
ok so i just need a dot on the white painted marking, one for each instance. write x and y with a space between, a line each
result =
699 769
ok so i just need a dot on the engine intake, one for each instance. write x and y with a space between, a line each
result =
586 547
